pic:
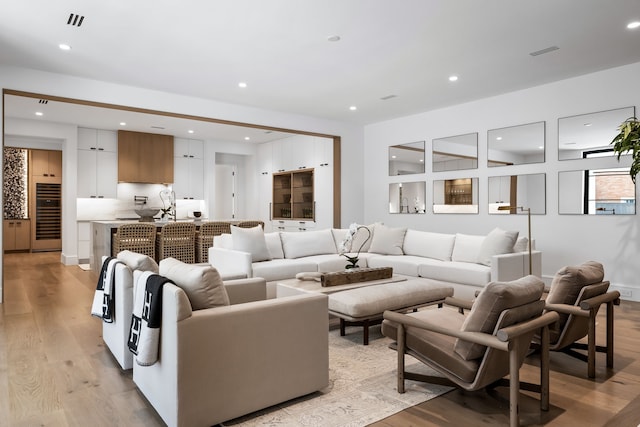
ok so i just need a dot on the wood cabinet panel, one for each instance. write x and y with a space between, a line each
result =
46 164
145 158
16 234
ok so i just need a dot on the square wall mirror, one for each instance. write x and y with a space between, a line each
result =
516 145
455 153
407 197
526 191
455 196
590 135
596 192
406 159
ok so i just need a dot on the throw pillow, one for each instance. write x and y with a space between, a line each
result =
466 248
363 238
492 300
136 261
428 245
274 244
251 240
387 240
201 283
297 245
497 242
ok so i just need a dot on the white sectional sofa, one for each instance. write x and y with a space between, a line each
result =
465 262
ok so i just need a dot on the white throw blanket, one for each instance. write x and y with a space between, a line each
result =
103 297
146 319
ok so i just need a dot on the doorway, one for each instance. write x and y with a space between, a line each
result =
225 187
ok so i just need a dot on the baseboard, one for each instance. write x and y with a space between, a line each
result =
626 293
68 259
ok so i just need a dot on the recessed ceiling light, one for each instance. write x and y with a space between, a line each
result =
587 124
190 131
541 147
393 157
64 46
39 113
498 138
353 108
242 84
633 25
453 78
421 160
333 38
123 123
247 138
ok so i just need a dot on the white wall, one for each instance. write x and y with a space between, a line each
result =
564 239
92 90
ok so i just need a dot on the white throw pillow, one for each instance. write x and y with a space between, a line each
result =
136 261
429 245
251 240
223 241
363 238
467 248
522 244
201 283
497 242
387 240
274 244
307 243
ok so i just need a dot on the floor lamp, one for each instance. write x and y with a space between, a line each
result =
528 211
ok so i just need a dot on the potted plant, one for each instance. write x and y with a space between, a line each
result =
628 140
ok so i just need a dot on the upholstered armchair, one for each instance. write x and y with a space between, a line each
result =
576 294
480 348
219 363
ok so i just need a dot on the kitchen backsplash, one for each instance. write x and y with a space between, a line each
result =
124 206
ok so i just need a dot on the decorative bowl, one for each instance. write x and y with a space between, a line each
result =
147 214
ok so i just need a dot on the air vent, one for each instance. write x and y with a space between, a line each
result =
75 20
157 127
43 101
385 98
543 51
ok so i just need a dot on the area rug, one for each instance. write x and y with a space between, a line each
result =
362 388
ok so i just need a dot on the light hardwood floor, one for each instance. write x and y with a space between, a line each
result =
56 371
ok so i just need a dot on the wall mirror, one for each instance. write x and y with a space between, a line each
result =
406 159
589 135
596 192
455 152
407 197
526 191
516 145
455 196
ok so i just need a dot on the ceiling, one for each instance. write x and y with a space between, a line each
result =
393 59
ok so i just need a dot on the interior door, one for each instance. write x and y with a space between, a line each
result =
225 201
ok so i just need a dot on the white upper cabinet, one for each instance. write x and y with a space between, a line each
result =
97 163
188 148
188 168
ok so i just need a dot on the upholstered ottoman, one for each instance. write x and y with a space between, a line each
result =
364 306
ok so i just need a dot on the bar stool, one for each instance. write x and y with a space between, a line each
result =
177 240
139 238
204 237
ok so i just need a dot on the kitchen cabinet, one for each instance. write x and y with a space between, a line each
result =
97 163
84 241
17 234
145 158
293 195
188 164
46 165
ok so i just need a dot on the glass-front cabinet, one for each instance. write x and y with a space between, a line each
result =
293 195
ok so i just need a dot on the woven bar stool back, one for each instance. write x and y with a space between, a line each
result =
177 240
140 238
251 224
204 237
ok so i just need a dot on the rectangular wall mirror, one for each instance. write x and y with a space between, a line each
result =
526 191
407 197
455 196
406 159
455 153
516 145
596 192
590 135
